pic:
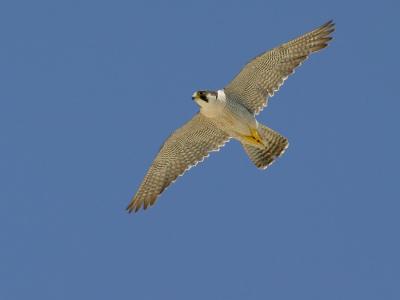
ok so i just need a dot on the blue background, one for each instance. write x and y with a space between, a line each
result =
81 85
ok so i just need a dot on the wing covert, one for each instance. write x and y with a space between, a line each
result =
183 149
264 75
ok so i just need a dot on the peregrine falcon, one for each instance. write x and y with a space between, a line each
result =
230 113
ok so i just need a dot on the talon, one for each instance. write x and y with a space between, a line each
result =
254 139
256 136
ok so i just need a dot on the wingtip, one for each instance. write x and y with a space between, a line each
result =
330 25
135 206
324 33
132 207
129 209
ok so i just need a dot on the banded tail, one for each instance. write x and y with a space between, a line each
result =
275 146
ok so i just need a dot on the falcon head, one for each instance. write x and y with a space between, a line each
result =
203 98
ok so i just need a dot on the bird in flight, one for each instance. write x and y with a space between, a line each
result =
230 113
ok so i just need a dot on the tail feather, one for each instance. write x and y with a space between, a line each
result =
275 146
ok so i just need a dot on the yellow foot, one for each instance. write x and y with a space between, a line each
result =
254 139
256 136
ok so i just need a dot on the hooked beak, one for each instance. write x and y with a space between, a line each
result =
195 96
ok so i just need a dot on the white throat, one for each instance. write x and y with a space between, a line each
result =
215 107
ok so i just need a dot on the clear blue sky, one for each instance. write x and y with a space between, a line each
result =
79 80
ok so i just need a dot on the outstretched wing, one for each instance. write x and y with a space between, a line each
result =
186 147
264 75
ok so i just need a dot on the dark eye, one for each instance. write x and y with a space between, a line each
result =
203 97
